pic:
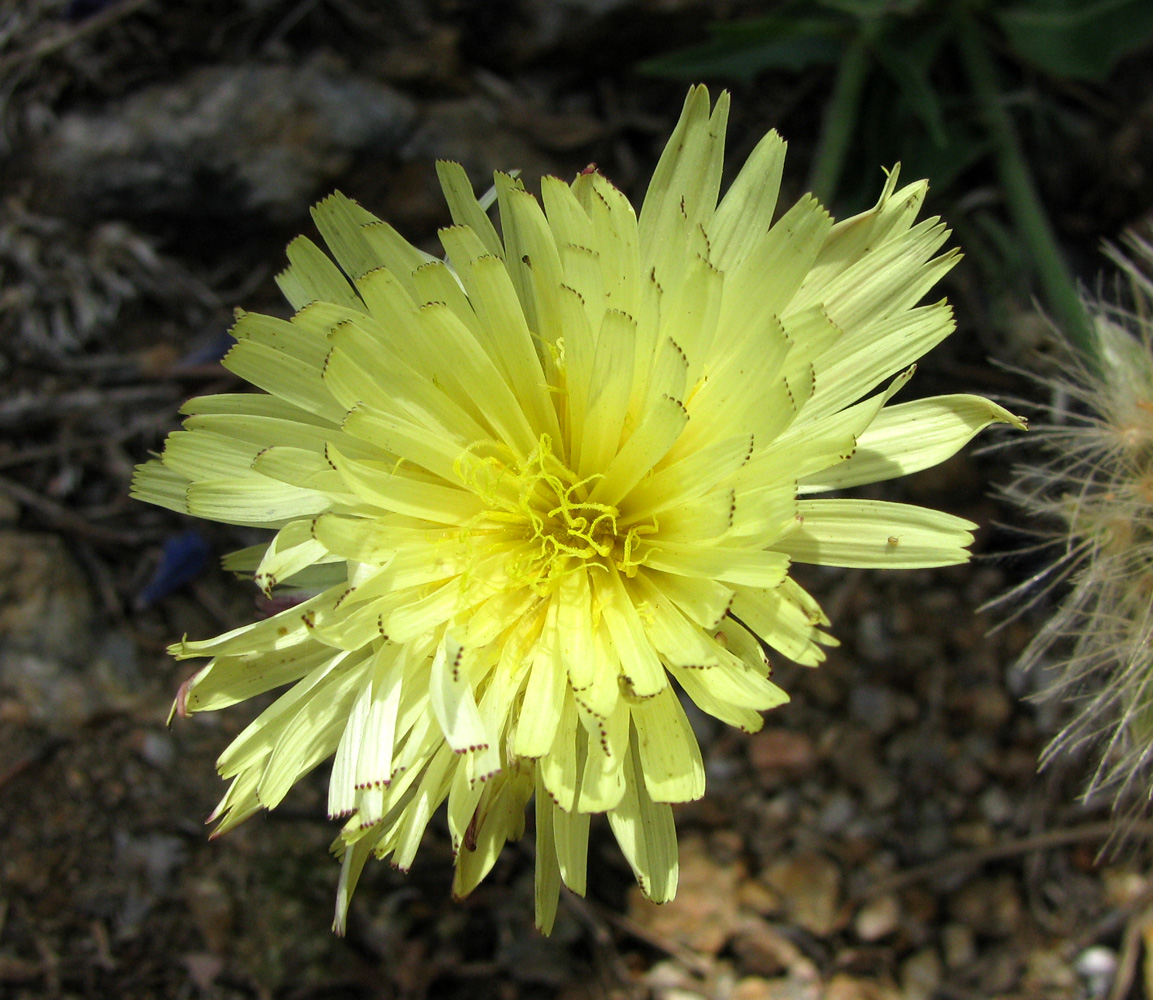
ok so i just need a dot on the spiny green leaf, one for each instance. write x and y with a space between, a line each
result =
744 49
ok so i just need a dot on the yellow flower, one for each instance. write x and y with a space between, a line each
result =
548 486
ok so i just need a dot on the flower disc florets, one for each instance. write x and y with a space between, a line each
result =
546 506
544 490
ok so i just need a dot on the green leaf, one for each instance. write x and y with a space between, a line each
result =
744 49
909 58
1076 38
865 10
892 129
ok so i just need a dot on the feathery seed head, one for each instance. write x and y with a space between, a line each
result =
1093 484
533 495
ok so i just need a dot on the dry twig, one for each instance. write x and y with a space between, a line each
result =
981 856
62 37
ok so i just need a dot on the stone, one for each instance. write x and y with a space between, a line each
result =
705 911
845 987
46 632
960 945
1097 967
224 141
755 896
878 918
765 951
45 604
810 885
777 755
988 906
921 975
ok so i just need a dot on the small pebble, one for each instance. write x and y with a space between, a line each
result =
777 753
762 950
878 918
759 898
990 708
883 791
996 806
921 974
873 641
989 906
810 884
837 813
875 706
156 748
960 946
1097 966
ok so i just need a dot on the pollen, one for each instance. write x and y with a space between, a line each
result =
544 506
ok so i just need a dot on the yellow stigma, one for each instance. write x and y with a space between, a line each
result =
542 503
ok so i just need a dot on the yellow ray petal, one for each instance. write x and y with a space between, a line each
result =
641 670
670 758
909 437
748 207
877 534
462 203
646 835
783 619
540 712
312 276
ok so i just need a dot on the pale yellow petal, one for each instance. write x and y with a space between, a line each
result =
311 275
687 478
783 619
683 191
293 380
560 769
876 534
645 832
228 680
909 437
603 783
509 341
571 836
669 755
540 712
748 207
341 782
402 491
641 670
646 446
680 641
546 881
752 567
763 285
610 389
462 203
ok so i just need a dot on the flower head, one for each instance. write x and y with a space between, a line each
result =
542 489
1092 486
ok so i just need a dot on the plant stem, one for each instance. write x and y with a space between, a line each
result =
840 118
1025 207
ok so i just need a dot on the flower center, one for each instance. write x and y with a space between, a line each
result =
562 529
542 503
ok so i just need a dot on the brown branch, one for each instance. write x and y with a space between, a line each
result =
981 856
64 37
63 519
